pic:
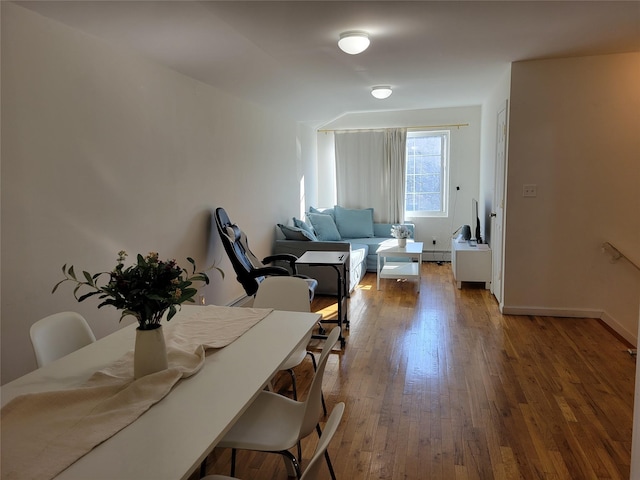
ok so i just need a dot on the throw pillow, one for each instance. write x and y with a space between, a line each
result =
326 211
303 225
295 233
354 223
324 227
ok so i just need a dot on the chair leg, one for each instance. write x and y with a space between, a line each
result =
315 368
313 360
333 475
293 383
203 468
324 405
326 455
293 461
289 459
233 461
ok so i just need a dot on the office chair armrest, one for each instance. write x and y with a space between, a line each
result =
284 257
266 271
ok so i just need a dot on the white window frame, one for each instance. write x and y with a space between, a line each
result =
445 136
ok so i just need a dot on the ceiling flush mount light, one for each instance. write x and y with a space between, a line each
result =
353 42
381 92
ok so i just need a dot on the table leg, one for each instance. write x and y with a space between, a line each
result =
340 293
419 271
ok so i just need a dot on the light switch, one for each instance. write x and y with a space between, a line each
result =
530 190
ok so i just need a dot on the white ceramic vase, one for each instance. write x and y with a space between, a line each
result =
402 242
150 354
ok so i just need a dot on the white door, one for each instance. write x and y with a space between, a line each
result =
498 204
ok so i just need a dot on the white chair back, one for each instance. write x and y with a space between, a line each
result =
313 402
313 469
283 293
58 335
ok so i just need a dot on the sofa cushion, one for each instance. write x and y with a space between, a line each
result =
353 223
324 226
295 233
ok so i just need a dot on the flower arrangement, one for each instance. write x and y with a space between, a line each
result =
145 290
400 231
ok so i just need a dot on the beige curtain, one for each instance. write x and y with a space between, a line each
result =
395 167
370 171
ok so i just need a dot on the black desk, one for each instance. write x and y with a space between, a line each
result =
337 260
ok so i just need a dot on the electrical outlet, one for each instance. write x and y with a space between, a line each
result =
530 190
433 240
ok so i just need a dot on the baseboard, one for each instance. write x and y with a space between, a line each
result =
631 337
574 313
552 312
436 256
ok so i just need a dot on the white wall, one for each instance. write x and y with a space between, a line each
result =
103 151
464 158
574 133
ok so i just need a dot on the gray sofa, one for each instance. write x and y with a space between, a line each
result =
362 250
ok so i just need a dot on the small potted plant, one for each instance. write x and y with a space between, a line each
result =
401 232
146 290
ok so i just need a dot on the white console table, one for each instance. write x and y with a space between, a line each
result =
471 263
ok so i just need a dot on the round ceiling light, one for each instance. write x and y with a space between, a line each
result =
381 92
353 42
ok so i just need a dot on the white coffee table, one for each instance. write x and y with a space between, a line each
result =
399 270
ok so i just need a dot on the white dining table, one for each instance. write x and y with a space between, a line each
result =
174 436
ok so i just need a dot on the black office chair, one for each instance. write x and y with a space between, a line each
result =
249 270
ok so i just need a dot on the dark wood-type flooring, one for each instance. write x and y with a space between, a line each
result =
440 385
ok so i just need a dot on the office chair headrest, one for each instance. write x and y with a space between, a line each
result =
233 232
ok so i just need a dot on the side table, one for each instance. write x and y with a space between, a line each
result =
338 261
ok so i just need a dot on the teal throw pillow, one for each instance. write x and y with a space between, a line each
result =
324 227
304 226
295 233
326 211
354 223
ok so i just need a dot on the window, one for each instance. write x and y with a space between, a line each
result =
427 174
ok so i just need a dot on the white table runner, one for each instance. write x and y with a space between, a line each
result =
43 433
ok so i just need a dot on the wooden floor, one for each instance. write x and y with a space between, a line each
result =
440 385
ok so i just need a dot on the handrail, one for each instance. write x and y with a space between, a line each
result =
617 254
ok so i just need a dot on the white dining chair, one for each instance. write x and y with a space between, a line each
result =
58 335
274 423
313 469
290 294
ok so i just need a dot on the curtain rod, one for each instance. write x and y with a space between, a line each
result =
420 127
